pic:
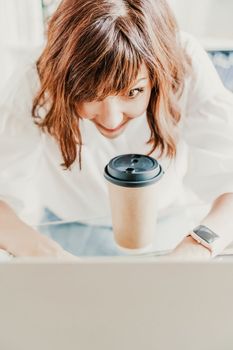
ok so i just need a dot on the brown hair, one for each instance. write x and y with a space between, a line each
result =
95 48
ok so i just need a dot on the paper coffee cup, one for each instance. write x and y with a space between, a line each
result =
133 192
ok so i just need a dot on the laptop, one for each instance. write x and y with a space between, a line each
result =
116 303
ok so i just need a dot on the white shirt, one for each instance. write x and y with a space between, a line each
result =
30 160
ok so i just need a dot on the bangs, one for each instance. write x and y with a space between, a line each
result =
111 73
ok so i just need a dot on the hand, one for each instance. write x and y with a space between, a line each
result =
43 246
189 249
21 240
34 244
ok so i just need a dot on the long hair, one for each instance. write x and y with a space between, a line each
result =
96 48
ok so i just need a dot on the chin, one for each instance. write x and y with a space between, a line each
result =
112 135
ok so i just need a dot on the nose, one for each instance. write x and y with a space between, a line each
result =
110 115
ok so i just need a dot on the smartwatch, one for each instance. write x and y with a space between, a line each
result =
205 236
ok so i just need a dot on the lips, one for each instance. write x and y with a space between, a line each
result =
111 130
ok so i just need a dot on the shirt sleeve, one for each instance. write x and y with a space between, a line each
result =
19 139
207 128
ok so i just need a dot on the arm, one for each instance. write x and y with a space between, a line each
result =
220 220
20 239
208 131
20 142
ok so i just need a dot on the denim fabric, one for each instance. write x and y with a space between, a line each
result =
80 239
223 61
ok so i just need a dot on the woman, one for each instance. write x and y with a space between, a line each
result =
115 77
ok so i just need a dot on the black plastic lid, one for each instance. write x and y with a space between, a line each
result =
133 170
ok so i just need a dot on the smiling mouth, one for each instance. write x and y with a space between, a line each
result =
111 130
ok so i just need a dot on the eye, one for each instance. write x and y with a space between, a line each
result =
135 92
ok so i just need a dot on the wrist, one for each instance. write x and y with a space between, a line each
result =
208 237
19 240
198 246
189 249
22 240
10 225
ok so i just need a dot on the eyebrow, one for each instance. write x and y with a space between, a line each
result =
140 80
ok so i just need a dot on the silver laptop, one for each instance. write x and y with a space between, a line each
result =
116 303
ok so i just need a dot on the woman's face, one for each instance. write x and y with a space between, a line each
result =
112 114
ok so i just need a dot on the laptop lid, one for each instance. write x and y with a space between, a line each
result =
116 303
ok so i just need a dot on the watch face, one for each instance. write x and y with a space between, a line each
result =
205 233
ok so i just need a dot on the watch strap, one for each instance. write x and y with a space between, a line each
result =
207 237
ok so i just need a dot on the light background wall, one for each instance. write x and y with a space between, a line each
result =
209 20
21 34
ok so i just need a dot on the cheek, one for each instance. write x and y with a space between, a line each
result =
87 110
138 107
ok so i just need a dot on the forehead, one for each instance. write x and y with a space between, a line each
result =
143 72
